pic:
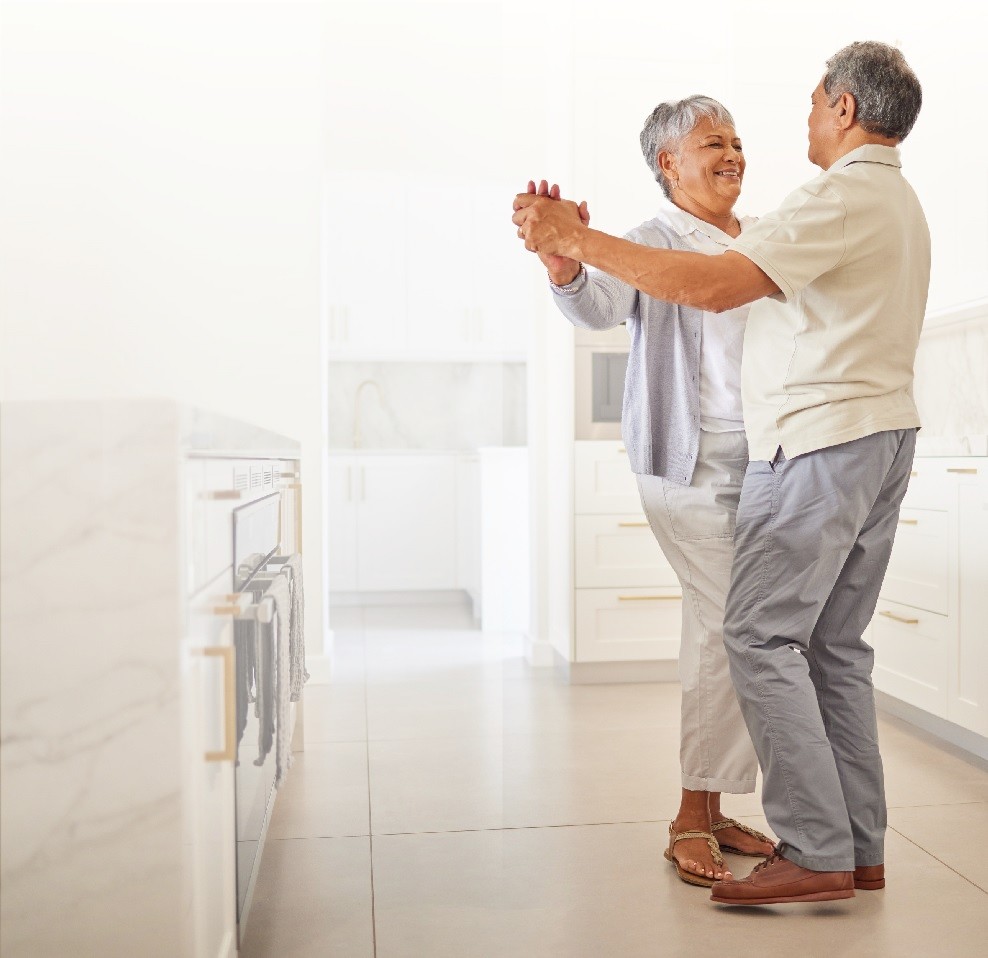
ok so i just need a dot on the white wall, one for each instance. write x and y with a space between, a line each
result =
160 177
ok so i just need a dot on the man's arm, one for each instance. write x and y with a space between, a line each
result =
713 283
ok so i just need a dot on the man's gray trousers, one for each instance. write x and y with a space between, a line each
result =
812 544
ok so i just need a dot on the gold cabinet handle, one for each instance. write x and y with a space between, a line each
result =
652 598
909 522
899 618
222 494
964 472
229 751
632 525
914 473
622 449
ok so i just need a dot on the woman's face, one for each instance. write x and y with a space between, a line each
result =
709 165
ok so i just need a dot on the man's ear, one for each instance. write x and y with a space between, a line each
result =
846 111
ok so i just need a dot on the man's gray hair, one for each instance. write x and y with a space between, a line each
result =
885 89
668 125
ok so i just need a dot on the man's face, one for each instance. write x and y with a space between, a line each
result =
822 128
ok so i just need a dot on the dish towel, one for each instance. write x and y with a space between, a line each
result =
280 590
296 639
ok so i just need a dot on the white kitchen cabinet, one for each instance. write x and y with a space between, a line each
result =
605 484
627 625
504 539
468 525
425 268
366 270
929 634
396 516
970 698
627 600
614 551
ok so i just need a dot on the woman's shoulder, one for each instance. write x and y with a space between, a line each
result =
656 232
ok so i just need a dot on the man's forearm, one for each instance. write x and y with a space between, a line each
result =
693 279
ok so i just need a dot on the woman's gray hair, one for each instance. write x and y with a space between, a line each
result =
668 125
885 89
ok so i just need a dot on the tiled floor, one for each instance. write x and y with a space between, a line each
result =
452 802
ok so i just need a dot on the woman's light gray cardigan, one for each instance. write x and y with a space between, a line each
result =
660 420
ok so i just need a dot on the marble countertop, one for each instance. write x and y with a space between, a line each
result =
206 433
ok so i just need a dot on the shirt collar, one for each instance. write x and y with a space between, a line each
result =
870 153
684 223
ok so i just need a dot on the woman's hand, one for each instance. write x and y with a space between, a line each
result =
561 269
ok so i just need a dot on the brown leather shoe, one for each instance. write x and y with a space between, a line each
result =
869 877
777 880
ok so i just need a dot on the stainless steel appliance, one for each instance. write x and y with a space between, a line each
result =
601 364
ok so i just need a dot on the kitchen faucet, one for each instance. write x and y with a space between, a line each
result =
356 408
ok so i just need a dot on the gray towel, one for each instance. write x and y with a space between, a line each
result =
296 640
280 590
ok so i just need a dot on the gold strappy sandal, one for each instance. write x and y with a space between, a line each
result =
732 823
691 878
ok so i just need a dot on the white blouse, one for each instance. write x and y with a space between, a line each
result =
723 333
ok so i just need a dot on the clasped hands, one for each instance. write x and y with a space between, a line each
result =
551 227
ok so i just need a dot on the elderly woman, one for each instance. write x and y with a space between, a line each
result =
683 428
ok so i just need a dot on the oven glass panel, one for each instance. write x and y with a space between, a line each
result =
607 394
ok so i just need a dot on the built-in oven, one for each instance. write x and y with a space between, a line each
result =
601 365
256 542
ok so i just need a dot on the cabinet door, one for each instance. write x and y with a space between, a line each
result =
969 687
912 655
619 551
365 228
918 571
441 250
209 748
505 276
344 491
468 528
605 484
627 625
406 523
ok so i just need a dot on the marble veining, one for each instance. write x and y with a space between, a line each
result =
93 628
951 389
454 406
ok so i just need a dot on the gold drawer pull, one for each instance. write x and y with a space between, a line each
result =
964 472
899 618
914 473
622 449
229 751
909 522
222 494
632 525
652 598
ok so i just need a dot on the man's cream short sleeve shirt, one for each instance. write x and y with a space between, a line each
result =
830 358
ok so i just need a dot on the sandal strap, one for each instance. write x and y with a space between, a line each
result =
732 823
711 843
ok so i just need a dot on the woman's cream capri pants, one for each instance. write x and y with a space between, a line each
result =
694 526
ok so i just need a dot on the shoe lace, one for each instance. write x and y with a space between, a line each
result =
774 857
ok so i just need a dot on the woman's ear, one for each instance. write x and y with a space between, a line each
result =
668 166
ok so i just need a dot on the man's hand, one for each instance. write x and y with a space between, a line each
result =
529 215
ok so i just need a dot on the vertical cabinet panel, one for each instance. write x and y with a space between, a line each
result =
970 704
343 492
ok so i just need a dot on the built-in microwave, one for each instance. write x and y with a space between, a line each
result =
601 365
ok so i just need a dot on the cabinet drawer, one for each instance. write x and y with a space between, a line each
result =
912 655
604 482
918 572
618 551
627 625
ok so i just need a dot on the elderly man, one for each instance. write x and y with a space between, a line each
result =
843 266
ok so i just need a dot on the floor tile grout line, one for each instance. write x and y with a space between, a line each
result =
926 851
370 825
